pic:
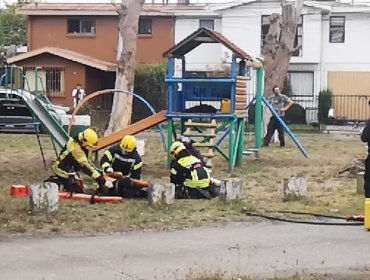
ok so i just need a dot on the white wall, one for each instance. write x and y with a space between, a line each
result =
353 54
205 56
242 26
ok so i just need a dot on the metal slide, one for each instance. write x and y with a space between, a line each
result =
55 129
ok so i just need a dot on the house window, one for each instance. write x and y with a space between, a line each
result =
53 79
145 26
298 41
337 31
302 83
50 80
81 26
207 23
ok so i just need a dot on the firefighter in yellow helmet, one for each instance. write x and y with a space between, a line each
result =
191 178
124 158
73 158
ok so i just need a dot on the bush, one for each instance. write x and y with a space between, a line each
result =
296 114
325 103
149 84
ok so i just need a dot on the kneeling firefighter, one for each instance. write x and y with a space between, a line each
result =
73 158
125 159
191 178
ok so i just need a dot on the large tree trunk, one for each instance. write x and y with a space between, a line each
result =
278 48
128 12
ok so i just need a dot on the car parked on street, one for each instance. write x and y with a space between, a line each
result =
16 117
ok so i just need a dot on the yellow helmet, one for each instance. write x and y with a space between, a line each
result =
176 148
128 143
88 138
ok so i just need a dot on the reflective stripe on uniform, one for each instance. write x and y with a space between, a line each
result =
69 148
137 166
58 171
80 156
95 174
188 161
195 182
108 155
173 171
105 165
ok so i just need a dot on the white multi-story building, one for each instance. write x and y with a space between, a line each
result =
333 37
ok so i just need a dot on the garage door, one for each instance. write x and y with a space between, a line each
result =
351 92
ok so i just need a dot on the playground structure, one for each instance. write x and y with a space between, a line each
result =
230 91
211 128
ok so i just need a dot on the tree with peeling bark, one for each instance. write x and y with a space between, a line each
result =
128 14
278 47
279 43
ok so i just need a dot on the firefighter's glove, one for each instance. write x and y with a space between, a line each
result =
108 184
109 170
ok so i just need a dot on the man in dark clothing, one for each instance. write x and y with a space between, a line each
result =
365 137
124 158
191 178
73 158
281 103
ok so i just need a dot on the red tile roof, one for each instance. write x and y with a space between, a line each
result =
69 55
100 9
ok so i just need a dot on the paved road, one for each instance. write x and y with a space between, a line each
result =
260 249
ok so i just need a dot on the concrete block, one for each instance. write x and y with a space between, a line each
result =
230 189
44 197
140 146
294 188
161 194
360 183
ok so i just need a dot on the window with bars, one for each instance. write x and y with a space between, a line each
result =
207 23
298 41
337 29
50 80
81 26
145 26
53 79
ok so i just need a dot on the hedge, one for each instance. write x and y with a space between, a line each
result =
149 84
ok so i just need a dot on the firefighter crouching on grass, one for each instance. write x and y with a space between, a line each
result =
191 178
73 158
124 158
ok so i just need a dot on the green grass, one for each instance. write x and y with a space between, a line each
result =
262 188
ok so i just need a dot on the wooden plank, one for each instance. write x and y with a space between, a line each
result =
200 124
132 129
200 135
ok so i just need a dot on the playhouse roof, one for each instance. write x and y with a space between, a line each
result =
204 35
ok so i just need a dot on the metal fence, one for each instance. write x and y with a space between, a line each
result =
351 107
310 104
343 108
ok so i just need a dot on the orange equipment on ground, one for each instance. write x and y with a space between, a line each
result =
112 177
87 197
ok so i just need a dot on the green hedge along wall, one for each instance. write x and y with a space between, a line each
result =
149 84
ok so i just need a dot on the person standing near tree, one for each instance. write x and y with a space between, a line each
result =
281 103
78 94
